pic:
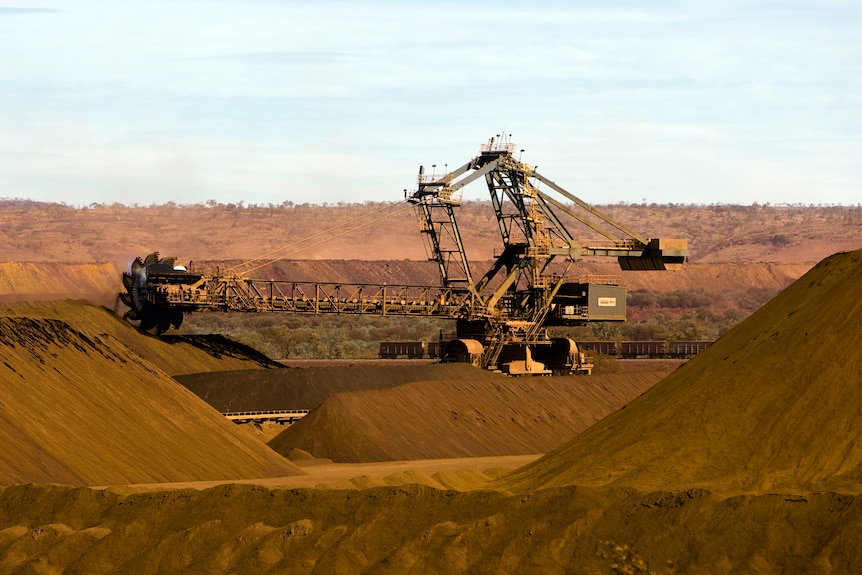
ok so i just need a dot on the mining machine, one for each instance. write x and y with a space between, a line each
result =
502 316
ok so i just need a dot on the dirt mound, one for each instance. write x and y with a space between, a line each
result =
48 281
307 388
172 354
489 415
772 405
720 277
417 529
86 410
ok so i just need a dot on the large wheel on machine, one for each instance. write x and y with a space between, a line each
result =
135 296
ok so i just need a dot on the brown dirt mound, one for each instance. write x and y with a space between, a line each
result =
489 415
48 281
417 529
775 404
86 410
307 388
172 354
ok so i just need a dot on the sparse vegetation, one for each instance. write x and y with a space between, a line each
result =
37 231
692 315
34 231
286 336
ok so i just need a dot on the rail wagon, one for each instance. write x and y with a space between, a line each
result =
655 349
632 349
405 349
598 347
687 348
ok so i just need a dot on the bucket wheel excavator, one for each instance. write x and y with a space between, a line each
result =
501 316
528 286
144 275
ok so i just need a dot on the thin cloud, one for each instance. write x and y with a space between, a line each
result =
286 57
675 101
9 11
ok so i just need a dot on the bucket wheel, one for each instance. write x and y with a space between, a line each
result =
135 297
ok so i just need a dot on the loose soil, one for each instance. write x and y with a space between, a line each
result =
86 410
171 354
98 283
420 529
745 460
376 413
467 417
307 388
773 405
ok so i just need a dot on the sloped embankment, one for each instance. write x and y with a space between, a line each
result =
775 404
29 281
307 388
172 354
487 415
87 411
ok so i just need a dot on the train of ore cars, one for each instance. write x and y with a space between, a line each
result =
618 349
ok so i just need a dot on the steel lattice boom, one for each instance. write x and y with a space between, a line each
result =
522 291
501 314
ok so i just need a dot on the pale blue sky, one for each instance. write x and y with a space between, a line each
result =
266 101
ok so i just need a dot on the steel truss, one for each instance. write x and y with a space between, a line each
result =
501 314
216 293
518 291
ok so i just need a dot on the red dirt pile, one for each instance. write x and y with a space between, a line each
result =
487 415
776 404
85 410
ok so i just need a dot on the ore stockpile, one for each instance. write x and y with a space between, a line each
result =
745 460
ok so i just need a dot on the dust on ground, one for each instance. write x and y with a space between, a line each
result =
460 474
